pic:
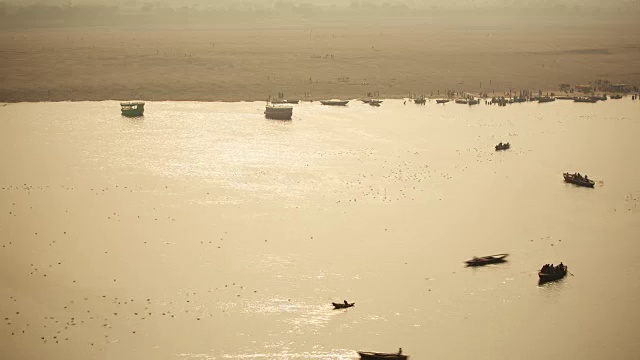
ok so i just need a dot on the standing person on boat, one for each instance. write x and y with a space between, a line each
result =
346 303
400 351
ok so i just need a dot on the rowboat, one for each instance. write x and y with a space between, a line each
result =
486 260
442 101
552 273
578 179
461 101
343 305
502 146
368 355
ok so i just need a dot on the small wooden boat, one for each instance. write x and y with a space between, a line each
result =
578 179
599 97
616 96
334 102
368 355
132 108
552 273
420 100
486 260
473 102
546 99
374 103
502 146
461 101
442 101
343 305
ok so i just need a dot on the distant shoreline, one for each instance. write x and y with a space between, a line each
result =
309 64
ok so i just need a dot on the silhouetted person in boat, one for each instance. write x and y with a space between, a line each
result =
400 351
346 303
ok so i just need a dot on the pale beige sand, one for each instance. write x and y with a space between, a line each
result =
233 64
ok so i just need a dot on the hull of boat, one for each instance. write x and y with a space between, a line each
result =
442 101
278 113
500 148
335 102
133 113
365 355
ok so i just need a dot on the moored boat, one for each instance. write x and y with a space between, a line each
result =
334 102
565 98
284 101
578 179
473 102
552 273
420 100
368 355
546 99
502 146
132 108
486 260
461 101
343 305
616 96
442 101
583 99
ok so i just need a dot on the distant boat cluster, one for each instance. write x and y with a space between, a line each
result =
279 109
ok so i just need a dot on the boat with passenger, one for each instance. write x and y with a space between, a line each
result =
502 146
368 355
578 179
334 102
420 100
548 272
486 260
343 305
132 108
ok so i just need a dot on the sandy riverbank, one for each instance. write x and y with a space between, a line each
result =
338 62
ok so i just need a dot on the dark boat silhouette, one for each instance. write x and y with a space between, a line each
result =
552 273
343 305
486 260
578 179
368 355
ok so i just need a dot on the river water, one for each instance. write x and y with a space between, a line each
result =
204 231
